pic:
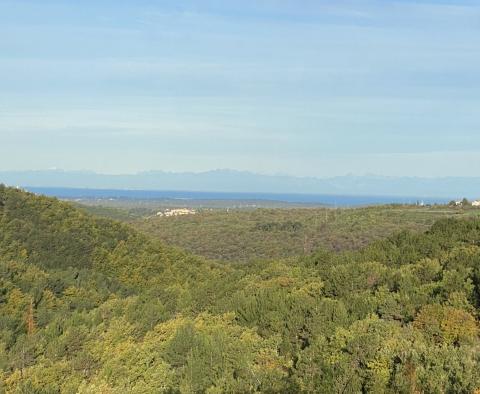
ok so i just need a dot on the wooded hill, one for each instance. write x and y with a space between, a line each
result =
90 305
245 235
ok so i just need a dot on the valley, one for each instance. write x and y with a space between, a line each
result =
92 305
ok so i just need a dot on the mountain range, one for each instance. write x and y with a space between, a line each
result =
242 181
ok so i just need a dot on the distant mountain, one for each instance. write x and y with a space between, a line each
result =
240 181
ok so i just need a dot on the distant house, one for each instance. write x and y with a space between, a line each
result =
476 203
179 212
176 212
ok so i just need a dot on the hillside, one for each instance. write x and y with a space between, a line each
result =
243 235
88 305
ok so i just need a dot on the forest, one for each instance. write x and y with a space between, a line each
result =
93 305
248 234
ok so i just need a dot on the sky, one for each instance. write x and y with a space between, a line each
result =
298 87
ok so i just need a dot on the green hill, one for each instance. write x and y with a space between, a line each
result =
243 235
89 305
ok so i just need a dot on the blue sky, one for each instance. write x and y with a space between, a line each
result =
314 88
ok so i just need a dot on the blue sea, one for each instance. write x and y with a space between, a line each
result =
294 198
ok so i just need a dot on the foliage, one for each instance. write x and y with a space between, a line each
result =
244 235
88 305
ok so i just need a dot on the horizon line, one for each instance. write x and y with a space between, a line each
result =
233 170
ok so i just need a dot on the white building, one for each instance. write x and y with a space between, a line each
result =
176 212
179 212
476 203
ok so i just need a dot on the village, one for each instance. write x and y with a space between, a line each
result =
465 203
176 212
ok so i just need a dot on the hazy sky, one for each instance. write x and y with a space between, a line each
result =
298 87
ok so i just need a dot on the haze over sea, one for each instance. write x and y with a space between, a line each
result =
294 198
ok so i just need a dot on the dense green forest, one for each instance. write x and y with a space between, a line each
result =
243 235
90 305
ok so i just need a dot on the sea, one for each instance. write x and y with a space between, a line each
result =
331 200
